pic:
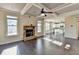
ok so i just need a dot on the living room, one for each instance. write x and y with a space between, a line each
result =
39 28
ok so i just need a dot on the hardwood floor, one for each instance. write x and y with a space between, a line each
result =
47 45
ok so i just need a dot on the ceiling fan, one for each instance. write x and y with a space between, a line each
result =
44 13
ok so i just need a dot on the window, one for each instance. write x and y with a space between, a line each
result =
47 27
11 25
39 26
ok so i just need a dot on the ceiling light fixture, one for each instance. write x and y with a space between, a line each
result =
42 14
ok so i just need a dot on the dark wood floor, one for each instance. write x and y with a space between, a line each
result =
47 45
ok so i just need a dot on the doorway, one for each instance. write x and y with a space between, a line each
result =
54 30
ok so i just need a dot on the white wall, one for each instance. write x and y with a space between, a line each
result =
78 27
3 30
71 30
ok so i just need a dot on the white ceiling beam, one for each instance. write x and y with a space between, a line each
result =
26 8
63 6
40 6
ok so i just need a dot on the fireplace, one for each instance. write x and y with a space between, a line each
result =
29 32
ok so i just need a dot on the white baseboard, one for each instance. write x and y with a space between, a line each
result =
3 42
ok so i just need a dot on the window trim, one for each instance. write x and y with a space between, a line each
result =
39 26
12 25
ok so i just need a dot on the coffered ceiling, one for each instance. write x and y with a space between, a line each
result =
52 5
13 6
73 7
33 11
35 8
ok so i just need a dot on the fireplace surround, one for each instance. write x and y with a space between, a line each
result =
28 32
